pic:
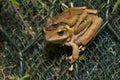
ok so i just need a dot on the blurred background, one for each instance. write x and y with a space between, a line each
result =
24 54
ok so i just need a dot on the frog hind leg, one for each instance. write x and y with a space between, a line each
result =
90 32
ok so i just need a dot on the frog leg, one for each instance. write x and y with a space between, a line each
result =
64 5
71 5
71 67
81 48
91 31
75 52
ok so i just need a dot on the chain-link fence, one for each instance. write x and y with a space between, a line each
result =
23 51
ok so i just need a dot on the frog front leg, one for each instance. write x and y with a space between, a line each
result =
75 52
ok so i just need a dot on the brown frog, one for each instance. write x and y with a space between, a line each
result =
74 27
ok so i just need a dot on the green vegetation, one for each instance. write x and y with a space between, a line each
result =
24 54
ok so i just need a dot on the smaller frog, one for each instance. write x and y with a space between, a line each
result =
74 27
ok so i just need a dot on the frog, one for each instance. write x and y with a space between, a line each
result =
74 27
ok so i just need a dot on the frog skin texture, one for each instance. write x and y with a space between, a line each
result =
73 27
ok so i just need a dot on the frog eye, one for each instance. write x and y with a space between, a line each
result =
60 32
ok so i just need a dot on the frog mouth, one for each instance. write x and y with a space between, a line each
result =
57 41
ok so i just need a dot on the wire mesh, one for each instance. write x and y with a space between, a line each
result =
23 49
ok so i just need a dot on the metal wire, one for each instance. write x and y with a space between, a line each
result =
25 49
